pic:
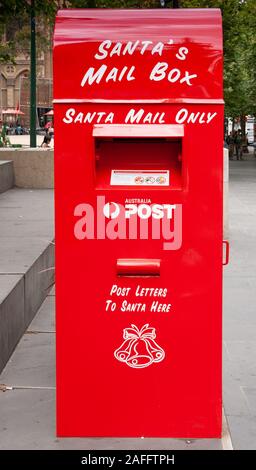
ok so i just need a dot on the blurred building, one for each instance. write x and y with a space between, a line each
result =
15 84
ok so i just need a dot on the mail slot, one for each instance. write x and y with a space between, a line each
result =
138 110
138 267
138 145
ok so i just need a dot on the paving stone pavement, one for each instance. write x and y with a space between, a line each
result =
28 409
239 320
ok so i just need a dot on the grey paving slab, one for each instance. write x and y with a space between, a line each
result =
250 395
45 318
237 330
28 204
32 363
35 428
16 258
242 372
7 283
239 319
239 364
242 220
243 429
242 353
26 417
22 227
235 402
242 262
26 228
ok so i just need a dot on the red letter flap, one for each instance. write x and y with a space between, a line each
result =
138 130
138 267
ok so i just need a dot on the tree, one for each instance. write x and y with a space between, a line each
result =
14 26
239 25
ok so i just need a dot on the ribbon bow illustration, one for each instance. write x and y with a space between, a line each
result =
139 348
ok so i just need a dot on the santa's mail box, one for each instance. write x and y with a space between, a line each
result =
138 117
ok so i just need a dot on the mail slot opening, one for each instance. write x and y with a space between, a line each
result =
138 162
138 267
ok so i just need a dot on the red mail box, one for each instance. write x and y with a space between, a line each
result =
138 112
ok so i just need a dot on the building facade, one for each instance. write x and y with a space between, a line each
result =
15 85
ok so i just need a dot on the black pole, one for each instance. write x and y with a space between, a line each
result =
32 75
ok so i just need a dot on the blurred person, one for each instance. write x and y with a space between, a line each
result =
46 142
230 142
51 131
4 139
18 130
238 144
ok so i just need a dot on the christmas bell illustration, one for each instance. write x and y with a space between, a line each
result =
139 348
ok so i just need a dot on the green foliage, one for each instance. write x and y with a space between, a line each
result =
15 21
239 26
7 52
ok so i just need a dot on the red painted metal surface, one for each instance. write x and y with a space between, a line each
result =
138 130
138 267
154 371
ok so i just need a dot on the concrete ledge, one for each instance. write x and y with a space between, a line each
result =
26 256
20 298
6 175
12 316
33 167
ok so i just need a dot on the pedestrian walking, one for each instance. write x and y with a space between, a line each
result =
46 142
238 144
51 131
230 142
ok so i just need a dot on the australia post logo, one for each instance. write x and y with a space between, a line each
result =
135 219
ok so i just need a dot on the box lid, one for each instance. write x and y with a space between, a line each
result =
138 55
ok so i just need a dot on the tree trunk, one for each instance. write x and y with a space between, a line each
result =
242 124
243 128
